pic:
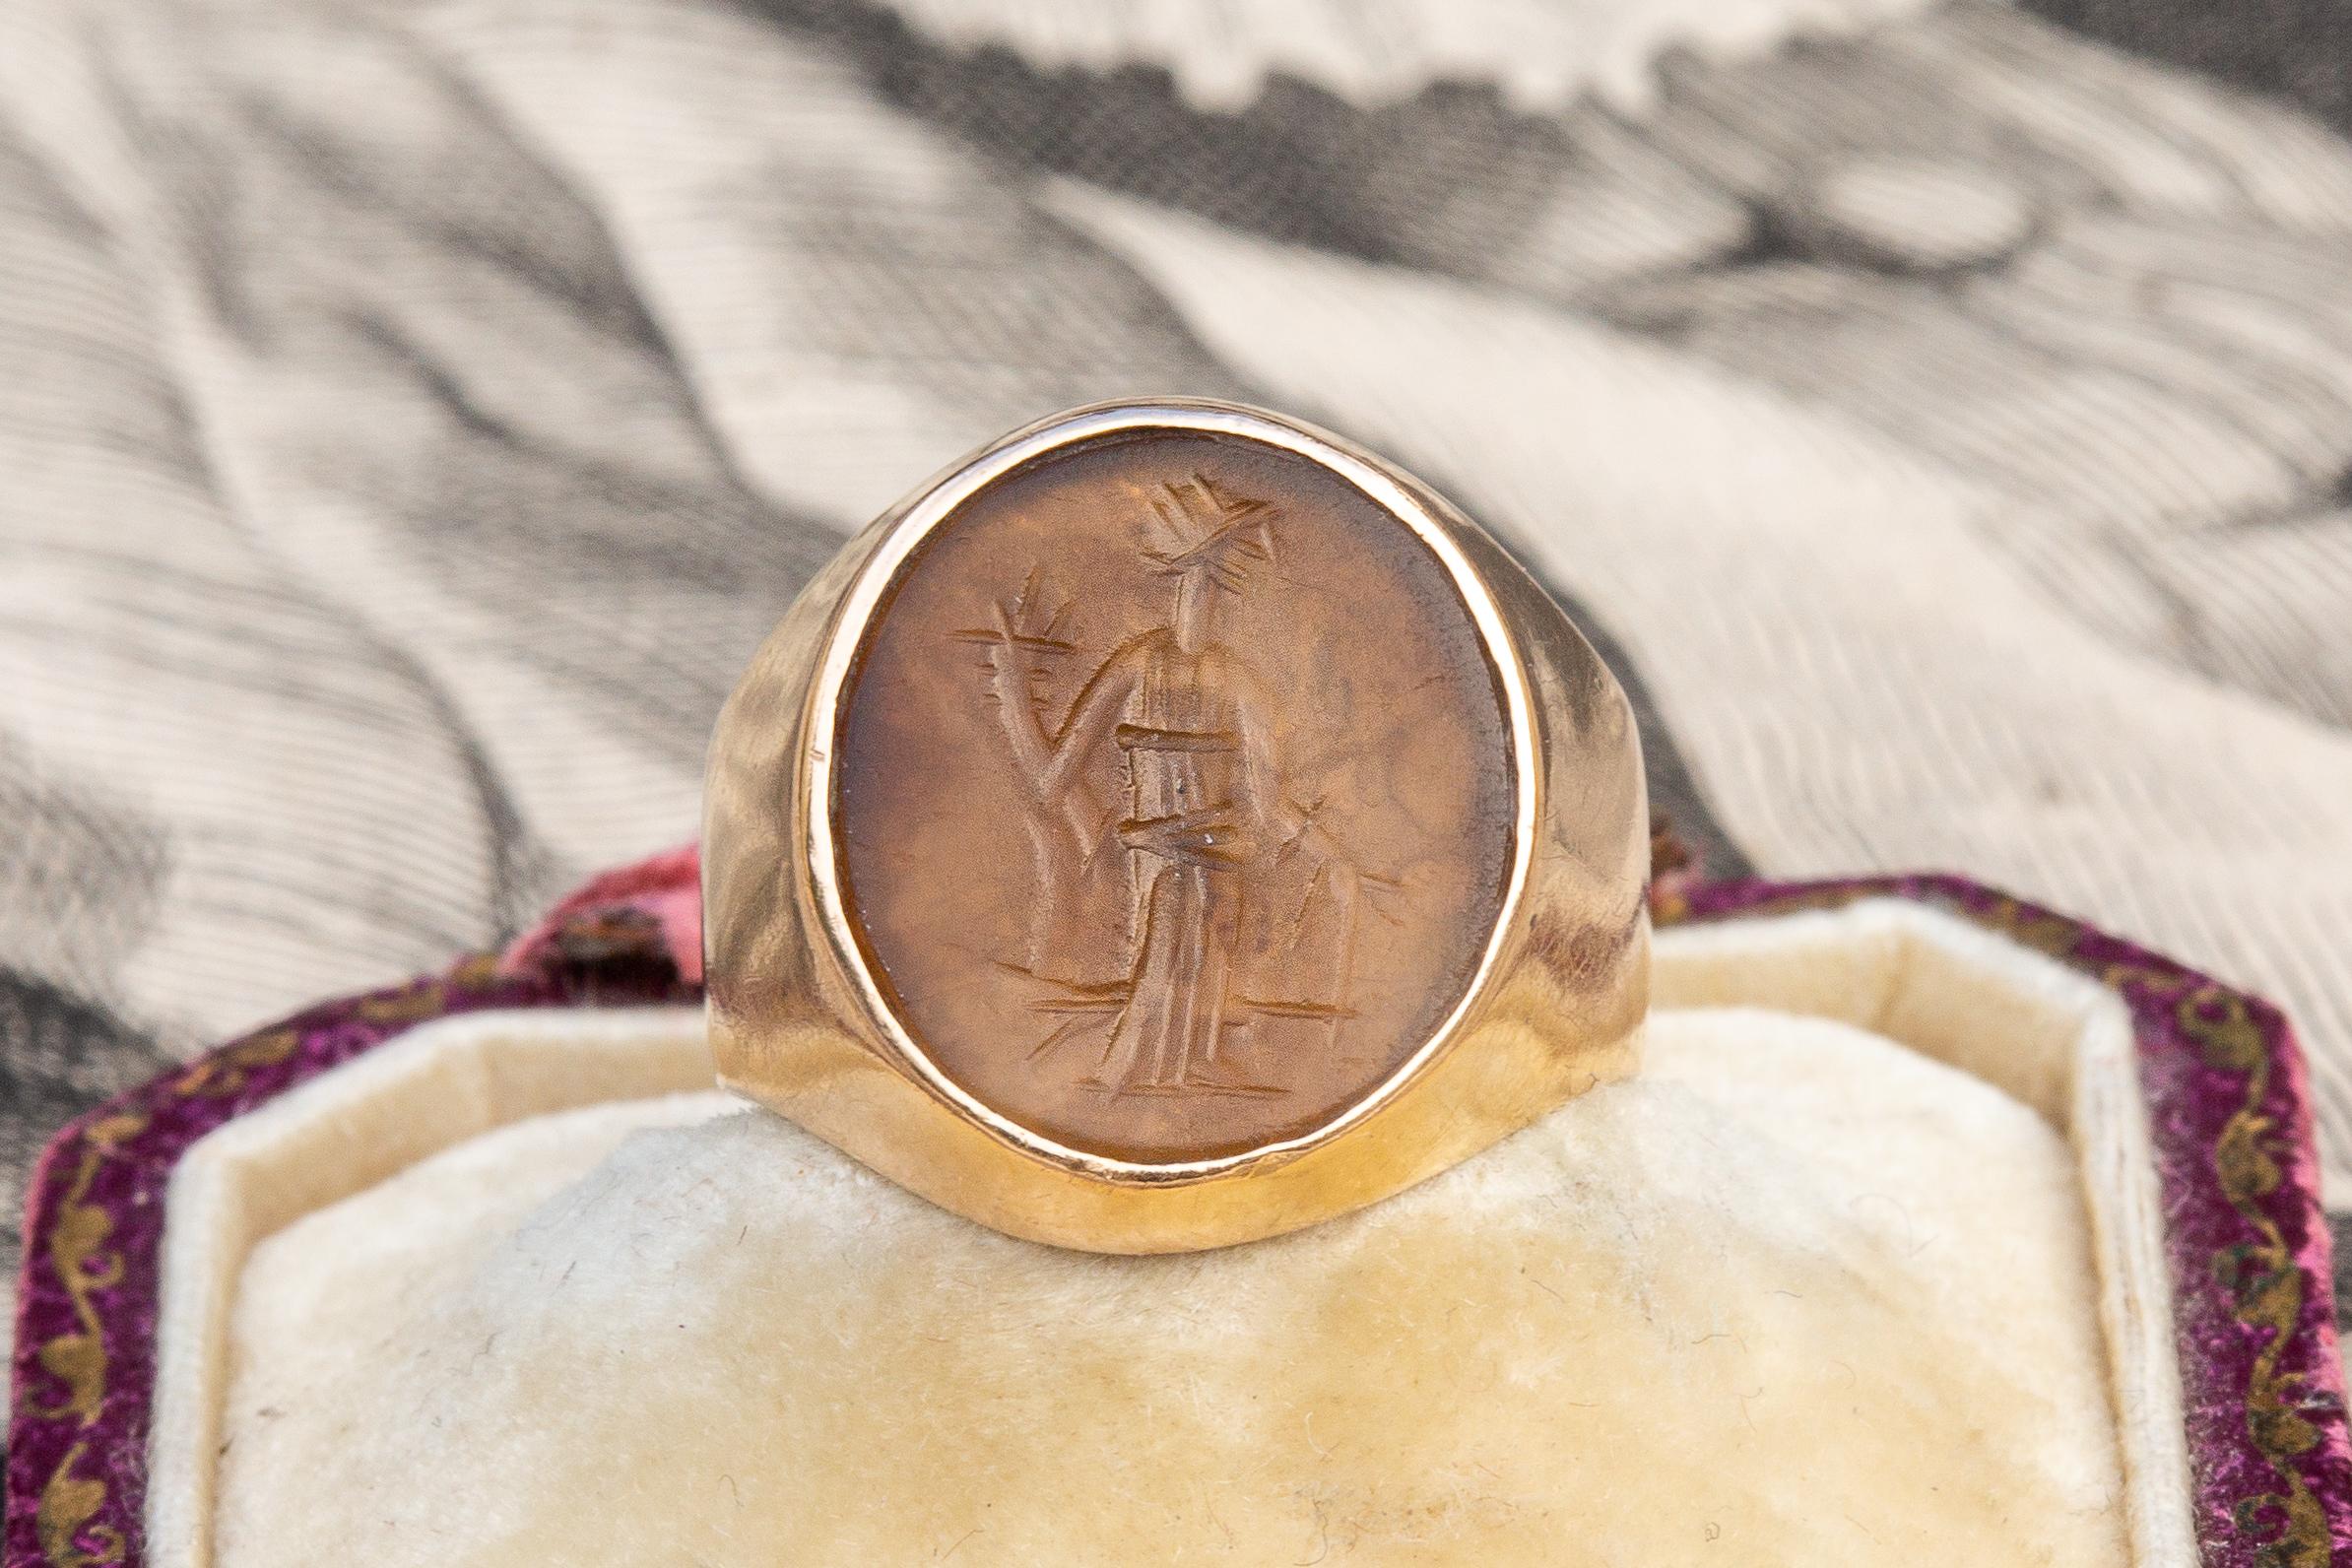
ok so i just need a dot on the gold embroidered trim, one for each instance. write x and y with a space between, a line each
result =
79 1255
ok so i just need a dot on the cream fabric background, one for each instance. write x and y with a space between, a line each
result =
1833 1240
1793 1296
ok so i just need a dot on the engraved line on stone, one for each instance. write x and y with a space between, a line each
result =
1209 840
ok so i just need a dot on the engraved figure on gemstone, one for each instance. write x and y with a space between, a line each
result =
1191 919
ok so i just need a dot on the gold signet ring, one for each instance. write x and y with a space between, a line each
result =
1173 827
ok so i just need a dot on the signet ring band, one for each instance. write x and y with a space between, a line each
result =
1172 826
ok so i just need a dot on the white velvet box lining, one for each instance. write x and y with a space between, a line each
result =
363 1300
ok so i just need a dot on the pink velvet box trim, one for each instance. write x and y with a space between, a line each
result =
2224 1080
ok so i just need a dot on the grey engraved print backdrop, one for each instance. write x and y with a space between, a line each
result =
411 416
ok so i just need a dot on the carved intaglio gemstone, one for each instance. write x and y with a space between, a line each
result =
1169 827
1174 797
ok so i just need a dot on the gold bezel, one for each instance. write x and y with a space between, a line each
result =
800 1022
934 507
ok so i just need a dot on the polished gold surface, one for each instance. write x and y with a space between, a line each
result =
1170 828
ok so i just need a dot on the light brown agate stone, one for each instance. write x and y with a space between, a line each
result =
1174 796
